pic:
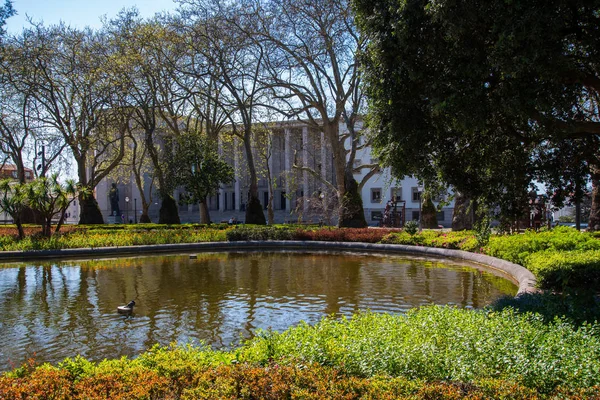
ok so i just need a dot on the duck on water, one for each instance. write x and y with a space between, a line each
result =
127 308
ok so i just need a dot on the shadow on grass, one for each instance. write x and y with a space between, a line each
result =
577 307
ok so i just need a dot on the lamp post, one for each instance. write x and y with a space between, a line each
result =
135 210
126 209
420 191
42 167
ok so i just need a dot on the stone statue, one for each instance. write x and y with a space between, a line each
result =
113 195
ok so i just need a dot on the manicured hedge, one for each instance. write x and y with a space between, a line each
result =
564 269
461 240
516 248
561 259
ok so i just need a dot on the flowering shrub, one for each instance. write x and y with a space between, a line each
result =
343 234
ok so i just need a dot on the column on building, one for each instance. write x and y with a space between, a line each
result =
305 188
271 163
221 204
236 166
288 166
323 161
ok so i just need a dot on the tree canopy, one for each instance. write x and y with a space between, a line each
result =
467 91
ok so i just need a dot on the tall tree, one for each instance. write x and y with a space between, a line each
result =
144 48
467 90
236 64
66 75
314 71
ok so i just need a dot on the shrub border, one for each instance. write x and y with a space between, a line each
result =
520 275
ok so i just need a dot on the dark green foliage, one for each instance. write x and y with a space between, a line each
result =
566 269
560 259
198 168
465 91
578 307
169 213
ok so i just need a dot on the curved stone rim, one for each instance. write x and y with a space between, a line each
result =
524 278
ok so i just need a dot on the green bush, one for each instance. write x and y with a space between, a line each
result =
442 343
411 227
563 269
579 307
516 248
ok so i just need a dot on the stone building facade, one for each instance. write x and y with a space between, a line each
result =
298 195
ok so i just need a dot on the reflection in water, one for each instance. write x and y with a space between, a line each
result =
53 311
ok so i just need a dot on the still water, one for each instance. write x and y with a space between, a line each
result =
54 310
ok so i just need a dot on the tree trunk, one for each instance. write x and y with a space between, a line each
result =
352 214
20 230
61 221
89 212
462 218
204 213
168 213
594 222
254 210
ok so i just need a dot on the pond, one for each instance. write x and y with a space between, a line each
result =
53 310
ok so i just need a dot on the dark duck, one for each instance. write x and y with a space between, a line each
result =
127 308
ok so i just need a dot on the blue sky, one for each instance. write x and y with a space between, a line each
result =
78 13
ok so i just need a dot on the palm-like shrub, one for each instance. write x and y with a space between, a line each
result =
50 199
12 201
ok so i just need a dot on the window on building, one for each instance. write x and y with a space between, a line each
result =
283 201
441 216
415 215
416 195
376 195
376 215
265 200
396 193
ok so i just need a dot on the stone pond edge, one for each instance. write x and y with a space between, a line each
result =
522 276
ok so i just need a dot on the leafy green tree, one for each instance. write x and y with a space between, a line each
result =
199 170
50 199
464 91
13 201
